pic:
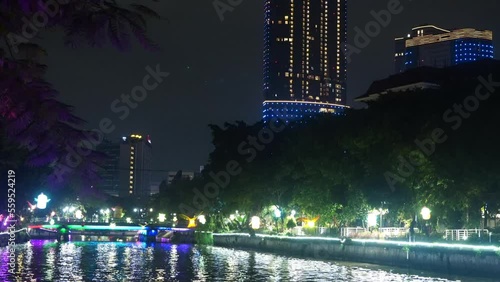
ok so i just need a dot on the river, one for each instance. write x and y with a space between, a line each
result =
43 260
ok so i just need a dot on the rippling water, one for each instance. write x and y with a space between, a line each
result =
42 260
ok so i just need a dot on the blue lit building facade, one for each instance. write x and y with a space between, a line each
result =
299 110
437 47
305 69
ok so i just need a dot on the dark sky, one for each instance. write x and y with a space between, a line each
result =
216 69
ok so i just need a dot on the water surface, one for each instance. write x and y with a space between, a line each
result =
42 260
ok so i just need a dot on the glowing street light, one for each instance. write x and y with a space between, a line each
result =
202 219
162 217
255 222
79 214
426 213
41 201
372 219
128 220
310 223
191 220
277 213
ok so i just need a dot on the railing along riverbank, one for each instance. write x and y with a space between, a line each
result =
456 259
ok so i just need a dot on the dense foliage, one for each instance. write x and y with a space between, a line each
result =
341 168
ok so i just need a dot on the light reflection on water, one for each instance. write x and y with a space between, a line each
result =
112 261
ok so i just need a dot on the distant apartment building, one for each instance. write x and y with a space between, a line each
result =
179 175
109 170
433 46
155 187
135 166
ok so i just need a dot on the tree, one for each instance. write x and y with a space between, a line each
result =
30 114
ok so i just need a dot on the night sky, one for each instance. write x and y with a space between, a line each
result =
216 69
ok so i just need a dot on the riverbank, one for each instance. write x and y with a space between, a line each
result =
20 236
451 259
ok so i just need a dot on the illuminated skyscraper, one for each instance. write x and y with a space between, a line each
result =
135 166
305 67
433 46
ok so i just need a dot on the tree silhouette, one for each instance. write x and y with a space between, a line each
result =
30 115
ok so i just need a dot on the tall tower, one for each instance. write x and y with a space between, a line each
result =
135 166
305 68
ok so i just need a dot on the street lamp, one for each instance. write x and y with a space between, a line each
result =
41 201
202 219
162 217
78 214
255 222
373 218
426 213
277 213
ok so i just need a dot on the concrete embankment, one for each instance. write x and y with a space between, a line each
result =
444 258
19 237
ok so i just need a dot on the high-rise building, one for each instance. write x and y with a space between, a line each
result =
109 170
433 46
135 166
179 175
305 68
